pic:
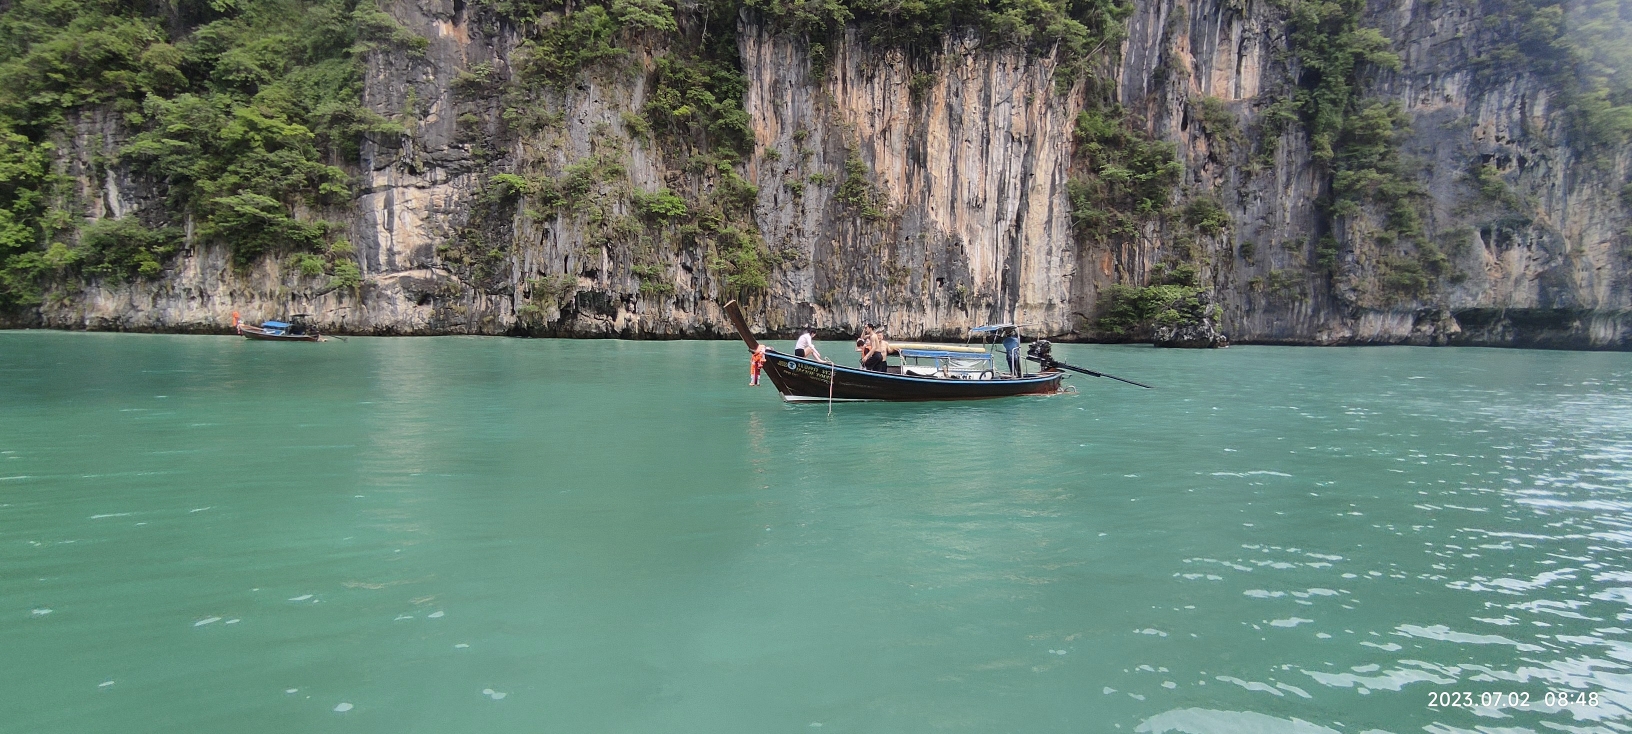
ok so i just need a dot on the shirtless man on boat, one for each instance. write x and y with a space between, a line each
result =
877 349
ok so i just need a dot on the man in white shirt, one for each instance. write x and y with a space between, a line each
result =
805 347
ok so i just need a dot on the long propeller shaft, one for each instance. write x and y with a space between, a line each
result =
1086 371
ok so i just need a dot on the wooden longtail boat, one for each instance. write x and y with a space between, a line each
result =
954 375
278 331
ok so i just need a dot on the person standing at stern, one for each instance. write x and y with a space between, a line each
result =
1011 347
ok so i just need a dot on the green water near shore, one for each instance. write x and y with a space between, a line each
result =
501 535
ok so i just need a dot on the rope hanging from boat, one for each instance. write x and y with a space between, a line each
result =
832 372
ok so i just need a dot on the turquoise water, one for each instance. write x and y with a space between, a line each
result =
499 535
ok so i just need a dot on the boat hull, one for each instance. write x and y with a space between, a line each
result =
250 332
805 380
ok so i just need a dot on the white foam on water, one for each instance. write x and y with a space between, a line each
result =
1387 647
200 509
343 707
1445 634
1323 636
291 690
1251 685
104 684
487 691
1213 721
302 597
460 646
1293 689
41 612
234 620
1389 680
1170 685
1151 631
815 724
206 620
1262 594
499 696
435 615
1289 622
1109 690
401 617
112 514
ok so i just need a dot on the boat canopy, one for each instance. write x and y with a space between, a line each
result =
991 327
932 347
275 325
941 354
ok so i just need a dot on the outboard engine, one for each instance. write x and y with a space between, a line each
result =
1041 352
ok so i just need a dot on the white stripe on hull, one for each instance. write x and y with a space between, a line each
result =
807 399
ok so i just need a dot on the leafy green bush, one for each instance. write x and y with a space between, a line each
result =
121 249
662 204
308 264
1070 29
1207 216
653 281
742 258
503 187
857 189
1330 45
1216 120
1132 176
1123 309
569 45
1368 169
696 105
347 275
1183 273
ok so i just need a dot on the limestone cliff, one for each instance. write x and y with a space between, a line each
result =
927 192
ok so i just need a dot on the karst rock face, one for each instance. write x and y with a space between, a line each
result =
927 196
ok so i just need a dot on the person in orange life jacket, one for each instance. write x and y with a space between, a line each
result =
756 362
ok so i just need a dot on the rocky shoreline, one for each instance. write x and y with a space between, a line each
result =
1554 329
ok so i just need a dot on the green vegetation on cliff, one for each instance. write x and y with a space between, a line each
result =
1582 49
693 112
244 111
1072 30
1357 141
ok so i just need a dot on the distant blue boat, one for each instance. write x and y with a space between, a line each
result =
296 330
